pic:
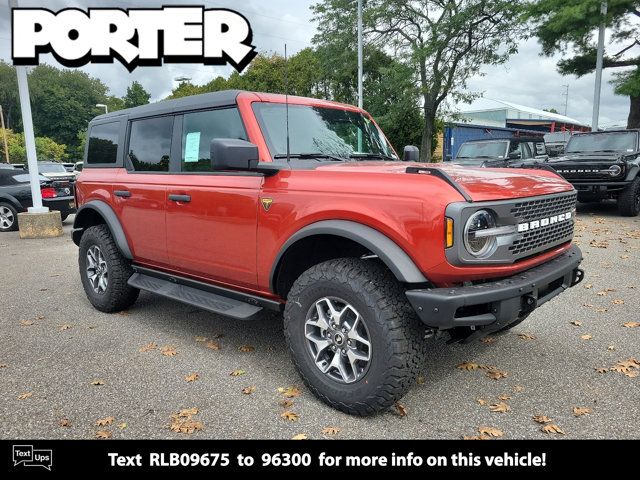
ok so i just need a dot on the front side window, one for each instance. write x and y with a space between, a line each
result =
316 130
199 128
103 143
150 144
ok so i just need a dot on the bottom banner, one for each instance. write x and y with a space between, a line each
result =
283 456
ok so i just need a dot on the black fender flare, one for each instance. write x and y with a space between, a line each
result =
110 219
392 255
632 172
6 198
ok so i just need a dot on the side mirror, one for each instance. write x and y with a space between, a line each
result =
411 154
233 154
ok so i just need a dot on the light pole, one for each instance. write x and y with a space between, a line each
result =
565 94
4 136
600 55
102 105
360 69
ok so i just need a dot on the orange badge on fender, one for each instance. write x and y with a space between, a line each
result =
266 203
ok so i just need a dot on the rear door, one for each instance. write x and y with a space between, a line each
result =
139 193
212 216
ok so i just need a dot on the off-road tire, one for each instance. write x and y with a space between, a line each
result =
118 295
395 333
14 226
629 199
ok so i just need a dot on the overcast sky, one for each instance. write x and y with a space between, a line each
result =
527 78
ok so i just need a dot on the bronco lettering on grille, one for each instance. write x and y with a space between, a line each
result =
543 222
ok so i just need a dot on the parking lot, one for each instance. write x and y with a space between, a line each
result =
69 371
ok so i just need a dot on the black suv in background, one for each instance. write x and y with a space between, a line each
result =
603 165
15 196
556 142
501 152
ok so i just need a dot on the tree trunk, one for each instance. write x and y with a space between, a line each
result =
427 131
634 113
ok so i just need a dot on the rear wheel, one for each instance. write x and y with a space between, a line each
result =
104 271
629 199
353 336
8 218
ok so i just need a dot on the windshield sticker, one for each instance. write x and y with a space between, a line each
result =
192 147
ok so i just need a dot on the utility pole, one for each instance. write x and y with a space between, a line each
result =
4 136
597 88
360 69
565 94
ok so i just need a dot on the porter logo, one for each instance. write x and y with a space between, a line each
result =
137 36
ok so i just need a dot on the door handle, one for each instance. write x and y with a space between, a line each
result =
122 193
180 198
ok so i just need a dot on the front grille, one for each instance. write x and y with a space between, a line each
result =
588 172
545 237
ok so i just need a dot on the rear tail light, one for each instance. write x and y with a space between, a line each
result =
48 192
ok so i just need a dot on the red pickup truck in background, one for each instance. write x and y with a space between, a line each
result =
237 202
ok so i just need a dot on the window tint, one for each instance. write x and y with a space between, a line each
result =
103 143
199 128
150 144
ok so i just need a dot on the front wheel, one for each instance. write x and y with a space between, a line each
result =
353 336
8 218
629 199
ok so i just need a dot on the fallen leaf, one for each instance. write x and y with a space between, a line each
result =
66 326
611 348
552 428
401 410
631 324
576 323
3 365
148 347
122 425
602 370
504 397
482 401
24 396
490 431
237 373
420 380
201 339
526 336
103 422
192 378
291 416
285 403
488 340
518 388
499 407
617 301
103 434
300 436
588 286
586 337
187 425
631 374
604 293
541 419
213 345
468 366
26 323
290 392
248 390
168 351
579 411
330 431
40 317
246 348
599 244
65 422
601 310
97 382
496 374
187 412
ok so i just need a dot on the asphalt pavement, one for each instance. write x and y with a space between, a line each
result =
65 366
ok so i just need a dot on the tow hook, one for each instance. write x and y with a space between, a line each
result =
578 276
529 303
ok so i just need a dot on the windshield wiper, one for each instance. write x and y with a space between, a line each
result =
379 156
305 156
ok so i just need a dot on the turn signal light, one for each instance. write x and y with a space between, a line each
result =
448 233
48 192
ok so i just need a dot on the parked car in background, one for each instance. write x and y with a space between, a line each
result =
77 168
55 171
603 165
556 142
68 166
15 196
501 152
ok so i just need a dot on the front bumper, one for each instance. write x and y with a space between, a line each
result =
494 305
602 187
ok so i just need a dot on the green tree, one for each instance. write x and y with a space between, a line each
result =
46 148
568 26
9 96
444 41
113 103
136 95
550 110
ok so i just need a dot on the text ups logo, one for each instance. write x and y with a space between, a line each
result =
27 456
136 36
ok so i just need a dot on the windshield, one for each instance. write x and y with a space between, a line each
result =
482 150
52 168
556 137
603 142
327 131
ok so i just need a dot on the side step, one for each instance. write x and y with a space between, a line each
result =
212 302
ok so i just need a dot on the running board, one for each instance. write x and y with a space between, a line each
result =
212 302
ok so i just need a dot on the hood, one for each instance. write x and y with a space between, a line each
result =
481 184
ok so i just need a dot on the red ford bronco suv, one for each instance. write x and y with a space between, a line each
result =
237 202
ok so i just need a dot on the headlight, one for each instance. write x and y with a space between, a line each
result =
615 170
479 245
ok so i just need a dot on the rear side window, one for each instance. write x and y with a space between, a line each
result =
150 144
199 128
103 143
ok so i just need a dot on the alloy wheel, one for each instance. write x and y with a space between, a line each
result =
6 217
97 270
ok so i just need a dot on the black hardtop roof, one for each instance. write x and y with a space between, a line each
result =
504 139
204 100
